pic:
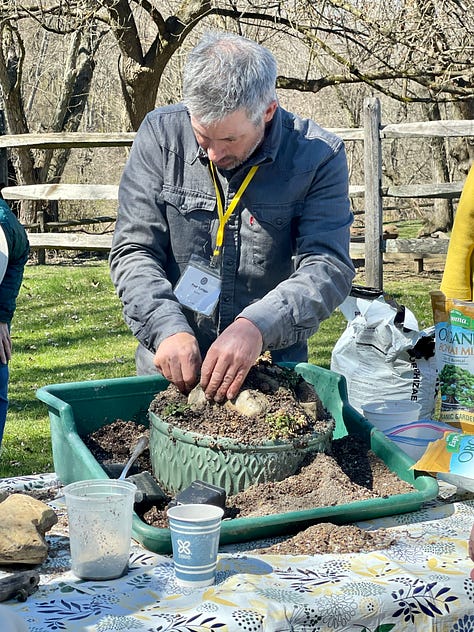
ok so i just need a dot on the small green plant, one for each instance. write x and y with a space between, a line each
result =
283 425
291 377
175 409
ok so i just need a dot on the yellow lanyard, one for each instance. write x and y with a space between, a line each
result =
224 215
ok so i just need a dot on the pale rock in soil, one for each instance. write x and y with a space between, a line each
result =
23 524
197 399
249 403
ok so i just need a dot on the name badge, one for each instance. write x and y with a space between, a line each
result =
199 287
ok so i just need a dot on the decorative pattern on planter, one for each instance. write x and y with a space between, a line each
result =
180 457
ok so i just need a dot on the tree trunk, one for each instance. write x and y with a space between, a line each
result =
48 165
463 152
441 217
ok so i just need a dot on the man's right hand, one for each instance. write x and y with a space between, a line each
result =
178 359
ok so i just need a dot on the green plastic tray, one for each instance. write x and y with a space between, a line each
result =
77 409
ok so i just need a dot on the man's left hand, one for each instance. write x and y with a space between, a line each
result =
229 359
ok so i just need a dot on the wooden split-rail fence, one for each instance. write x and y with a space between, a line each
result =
372 134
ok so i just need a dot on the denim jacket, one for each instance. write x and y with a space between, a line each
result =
285 264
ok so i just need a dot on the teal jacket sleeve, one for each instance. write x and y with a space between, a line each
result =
18 252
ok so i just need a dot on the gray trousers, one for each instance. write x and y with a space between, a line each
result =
144 361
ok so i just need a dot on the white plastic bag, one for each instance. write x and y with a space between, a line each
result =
414 438
383 355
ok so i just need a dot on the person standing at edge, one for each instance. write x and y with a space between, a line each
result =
14 252
232 235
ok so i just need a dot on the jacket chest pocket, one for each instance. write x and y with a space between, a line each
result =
271 237
192 221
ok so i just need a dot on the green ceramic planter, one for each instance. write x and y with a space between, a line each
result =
180 457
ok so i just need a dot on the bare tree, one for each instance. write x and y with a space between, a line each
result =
77 71
416 51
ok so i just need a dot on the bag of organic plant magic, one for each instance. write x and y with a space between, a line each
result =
451 459
454 344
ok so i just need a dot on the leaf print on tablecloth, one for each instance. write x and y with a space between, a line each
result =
280 594
464 624
420 598
181 623
139 559
126 624
140 581
364 588
304 579
62 611
302 618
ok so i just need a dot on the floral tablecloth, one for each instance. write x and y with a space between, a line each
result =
422 582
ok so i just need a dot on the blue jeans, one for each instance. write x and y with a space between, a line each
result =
4 375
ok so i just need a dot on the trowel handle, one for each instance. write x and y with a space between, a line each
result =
142 445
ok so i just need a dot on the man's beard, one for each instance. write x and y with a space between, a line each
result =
240 161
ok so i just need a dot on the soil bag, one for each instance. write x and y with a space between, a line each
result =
383 355
451 458
454 340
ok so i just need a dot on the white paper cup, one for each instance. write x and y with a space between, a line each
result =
389 413
195 531
100 514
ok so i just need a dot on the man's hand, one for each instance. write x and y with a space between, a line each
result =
178 359
229 359
5 344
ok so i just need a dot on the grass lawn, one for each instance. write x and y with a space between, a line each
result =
68 327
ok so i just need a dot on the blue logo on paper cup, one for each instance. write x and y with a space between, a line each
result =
195 530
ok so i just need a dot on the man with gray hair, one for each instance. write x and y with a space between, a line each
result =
232 235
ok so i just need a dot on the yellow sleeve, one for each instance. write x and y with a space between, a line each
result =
457 281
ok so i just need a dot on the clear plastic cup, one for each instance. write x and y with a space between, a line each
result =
195 531
100 514
389 413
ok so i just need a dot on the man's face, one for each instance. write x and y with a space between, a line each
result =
230 141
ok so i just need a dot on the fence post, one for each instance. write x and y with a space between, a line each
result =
3 155
373 193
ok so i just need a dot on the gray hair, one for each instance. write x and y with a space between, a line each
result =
225 73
